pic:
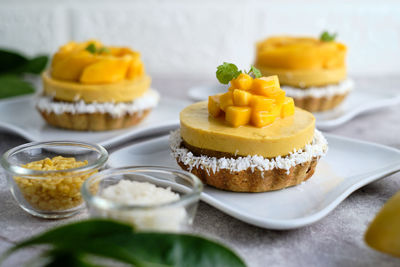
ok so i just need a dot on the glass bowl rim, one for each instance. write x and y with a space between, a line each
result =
107 204
37 174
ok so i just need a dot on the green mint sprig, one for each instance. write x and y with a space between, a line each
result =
327 37
76 243
91 48
256 72
229 71
226 72
104 50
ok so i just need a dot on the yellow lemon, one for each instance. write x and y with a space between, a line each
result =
383 233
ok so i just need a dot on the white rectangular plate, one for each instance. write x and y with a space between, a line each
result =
359 101
349 165
18 115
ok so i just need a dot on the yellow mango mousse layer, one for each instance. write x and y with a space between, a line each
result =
302 61
123 91
201 130
306 78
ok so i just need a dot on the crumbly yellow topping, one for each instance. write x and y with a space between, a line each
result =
58 191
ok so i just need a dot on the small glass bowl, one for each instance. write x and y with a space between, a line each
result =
51 194
175 216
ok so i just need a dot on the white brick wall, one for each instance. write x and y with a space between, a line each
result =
193 37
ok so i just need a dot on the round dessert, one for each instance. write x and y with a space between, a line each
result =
312 71
249 139
91 87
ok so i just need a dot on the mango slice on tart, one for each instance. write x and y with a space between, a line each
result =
107 70
93 63
300 53
254 101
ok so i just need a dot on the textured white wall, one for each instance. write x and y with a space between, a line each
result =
193 37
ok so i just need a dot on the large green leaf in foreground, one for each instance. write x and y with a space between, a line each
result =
118 241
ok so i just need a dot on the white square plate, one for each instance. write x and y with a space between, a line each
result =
360 100
18 115
349 165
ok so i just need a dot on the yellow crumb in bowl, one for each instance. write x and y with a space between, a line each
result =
56 191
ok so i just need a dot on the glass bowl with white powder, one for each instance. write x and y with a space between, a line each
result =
148 197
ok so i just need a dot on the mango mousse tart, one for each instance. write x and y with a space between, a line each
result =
312 71
92 87
251 138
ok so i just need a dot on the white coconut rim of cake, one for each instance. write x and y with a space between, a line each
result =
148 100
317 148
330 90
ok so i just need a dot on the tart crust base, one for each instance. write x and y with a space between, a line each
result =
315 104
255 181
93 121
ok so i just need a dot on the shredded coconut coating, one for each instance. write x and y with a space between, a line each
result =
149 100
317 148
325 91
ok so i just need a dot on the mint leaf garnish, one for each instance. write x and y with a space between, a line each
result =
91 48
256 72
327 37
226 72
104 50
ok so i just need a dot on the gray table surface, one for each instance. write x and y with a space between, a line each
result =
336 240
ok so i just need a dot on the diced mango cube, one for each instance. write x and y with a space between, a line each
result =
241 98
261 118
287 107
213 105
261 103
243 82
226 100
277 94
237 116
272 92
263 83
276 110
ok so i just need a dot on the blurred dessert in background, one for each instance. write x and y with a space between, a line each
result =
92 87
311 70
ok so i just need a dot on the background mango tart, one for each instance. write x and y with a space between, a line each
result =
94 87
311 70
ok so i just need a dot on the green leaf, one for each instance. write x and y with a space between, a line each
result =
182 250
256 72
104 50
35 65
11 85
57 258
327 37
14 63
91 48
118 241
226 72
78 232
11 60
